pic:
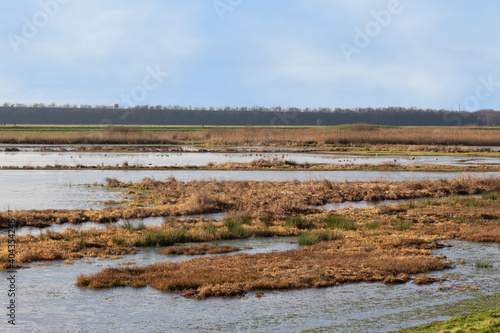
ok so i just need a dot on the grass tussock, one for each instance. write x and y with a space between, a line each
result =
252 198
316 236
133 226
484 264
299 222
199 249
154 238
491 196
372 225
339 222
234 227
403 225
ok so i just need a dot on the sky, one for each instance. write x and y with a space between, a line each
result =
290 53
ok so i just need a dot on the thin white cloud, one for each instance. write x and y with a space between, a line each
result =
283 52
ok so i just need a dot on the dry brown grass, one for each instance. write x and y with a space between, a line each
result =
199 249
376 250
253 198
257 198
321 265
269 136
384 254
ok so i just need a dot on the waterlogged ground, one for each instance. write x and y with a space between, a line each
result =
65 189
34 159
49 301
150 221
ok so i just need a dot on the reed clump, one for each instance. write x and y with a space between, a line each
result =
403 225
234 227
69 245
484 263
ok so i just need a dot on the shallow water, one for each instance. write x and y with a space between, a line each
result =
49 301
64 189
32 158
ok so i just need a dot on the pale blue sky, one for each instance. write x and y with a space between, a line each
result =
426 53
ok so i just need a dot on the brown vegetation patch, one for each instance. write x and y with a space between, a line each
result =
425 279
321 265
290 197
378 244
70 244
199 249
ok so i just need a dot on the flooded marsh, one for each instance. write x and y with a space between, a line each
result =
313 250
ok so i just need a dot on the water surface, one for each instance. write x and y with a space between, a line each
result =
33 158
49 301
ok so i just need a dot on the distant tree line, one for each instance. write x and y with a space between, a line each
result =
39 113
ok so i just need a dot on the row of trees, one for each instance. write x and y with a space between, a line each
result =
396 116
211 108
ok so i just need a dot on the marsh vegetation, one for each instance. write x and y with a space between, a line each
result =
386 244
253 136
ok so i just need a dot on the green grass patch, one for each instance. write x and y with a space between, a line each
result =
462 219
315 236
372 225
403 225
51 235
153 238
475 202
491 196
267 220
210 228
299 222
129 225
339 222
234 226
